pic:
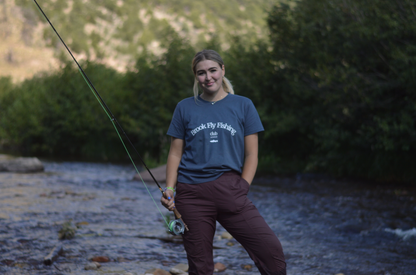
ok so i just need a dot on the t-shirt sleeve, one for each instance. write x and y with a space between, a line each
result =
176 127
252 120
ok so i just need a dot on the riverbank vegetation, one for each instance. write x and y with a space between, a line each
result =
334 84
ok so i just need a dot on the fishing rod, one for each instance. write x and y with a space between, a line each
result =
176 226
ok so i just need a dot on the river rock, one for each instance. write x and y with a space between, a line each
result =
92 266
100 259
20 164
180 269
157 271
226 235
176 271
247 267
219 267
122 260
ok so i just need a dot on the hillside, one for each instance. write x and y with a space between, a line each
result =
115 32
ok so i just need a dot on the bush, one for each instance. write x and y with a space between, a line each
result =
345 100
56 115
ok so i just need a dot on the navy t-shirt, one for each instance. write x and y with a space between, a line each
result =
213 135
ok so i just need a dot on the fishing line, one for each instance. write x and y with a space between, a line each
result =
176 227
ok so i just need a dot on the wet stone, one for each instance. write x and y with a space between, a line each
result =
179 269
92 266
122 260
248 267
156 271
67 231
100 259
7 262
219 267
20 164
226 236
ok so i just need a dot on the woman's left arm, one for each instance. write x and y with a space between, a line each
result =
251 148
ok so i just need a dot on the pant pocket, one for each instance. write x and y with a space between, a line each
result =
239 189
245 184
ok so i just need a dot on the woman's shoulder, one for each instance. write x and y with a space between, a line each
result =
186 101
240 99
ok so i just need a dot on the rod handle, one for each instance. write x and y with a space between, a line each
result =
179 216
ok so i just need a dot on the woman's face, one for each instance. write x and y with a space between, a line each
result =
209 74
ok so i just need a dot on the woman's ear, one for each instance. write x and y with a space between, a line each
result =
223 70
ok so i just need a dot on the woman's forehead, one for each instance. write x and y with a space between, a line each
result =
206 65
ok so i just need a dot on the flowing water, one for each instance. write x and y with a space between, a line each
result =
325 226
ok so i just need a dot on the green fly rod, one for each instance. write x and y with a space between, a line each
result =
175 227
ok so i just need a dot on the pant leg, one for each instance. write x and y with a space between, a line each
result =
199 214
244 222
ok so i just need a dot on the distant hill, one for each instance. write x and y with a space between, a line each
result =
115 32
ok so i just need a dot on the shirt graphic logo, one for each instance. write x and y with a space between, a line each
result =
212 126
213 135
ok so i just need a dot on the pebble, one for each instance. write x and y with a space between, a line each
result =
122 260
219 267
226 235
21 265
92 266
100 259
176 271
248 267
179 269
157 271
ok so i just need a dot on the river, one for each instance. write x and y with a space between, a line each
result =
326 226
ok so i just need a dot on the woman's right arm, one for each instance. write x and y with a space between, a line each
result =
174 159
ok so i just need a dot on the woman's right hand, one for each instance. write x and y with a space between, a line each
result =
168 200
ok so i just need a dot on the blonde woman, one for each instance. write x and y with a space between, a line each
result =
211 164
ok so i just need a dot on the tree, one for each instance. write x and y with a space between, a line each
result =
158 84
347 77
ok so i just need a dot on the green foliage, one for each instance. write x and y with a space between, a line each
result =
159 84
56 115
334 86
5 85
346 95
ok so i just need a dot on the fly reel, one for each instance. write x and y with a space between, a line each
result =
176 227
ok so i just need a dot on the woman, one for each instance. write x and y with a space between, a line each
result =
211 164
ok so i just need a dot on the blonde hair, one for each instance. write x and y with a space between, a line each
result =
214 56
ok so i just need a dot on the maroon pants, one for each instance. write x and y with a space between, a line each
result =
225 200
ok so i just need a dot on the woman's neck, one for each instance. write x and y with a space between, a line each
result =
214 97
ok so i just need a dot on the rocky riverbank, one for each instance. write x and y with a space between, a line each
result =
325 226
